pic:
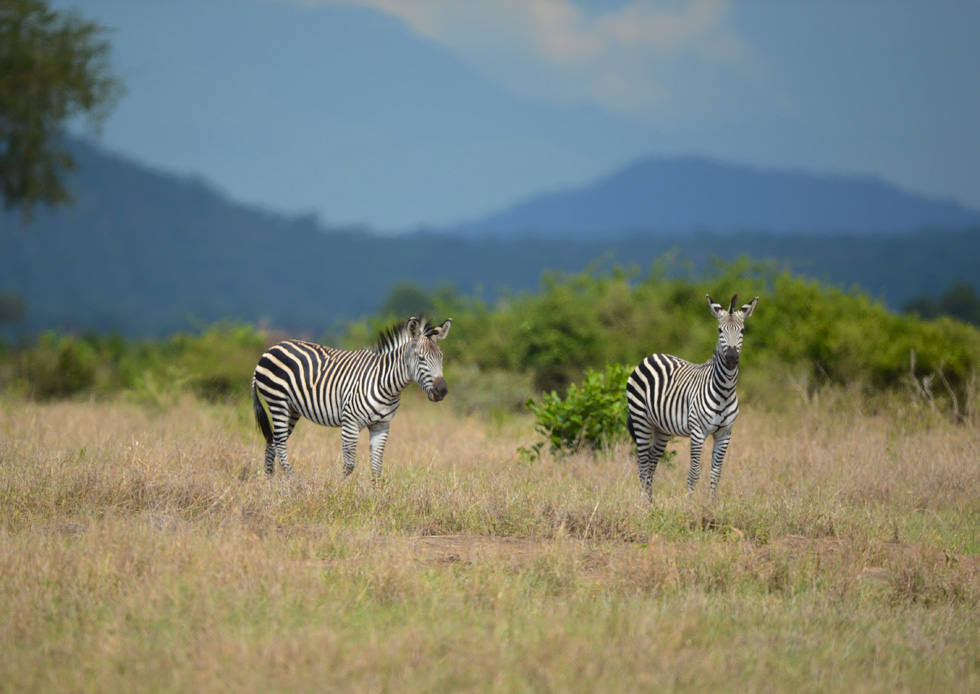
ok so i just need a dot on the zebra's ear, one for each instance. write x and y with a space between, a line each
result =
443 330
414 326
749 308
716 309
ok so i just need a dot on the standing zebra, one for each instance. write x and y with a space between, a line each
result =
668 396
346 389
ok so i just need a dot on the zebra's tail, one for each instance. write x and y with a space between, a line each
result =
261 416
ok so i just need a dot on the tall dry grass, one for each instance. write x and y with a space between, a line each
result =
144 549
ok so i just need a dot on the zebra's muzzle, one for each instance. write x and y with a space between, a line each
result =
439 389
731 357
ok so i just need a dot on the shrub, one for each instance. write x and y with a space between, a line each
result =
822 334
59 367
589 417
216 365
497 392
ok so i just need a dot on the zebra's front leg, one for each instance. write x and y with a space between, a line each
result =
379 437
348 442
718 457
697 445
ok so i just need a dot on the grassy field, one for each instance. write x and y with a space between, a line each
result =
143 549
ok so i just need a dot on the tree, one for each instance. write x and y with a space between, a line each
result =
406 299
12 307
960 301
53 68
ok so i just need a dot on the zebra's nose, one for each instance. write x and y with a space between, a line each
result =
439 389
731 355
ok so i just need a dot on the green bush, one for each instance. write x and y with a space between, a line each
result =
820 334
496 392
803 334
216 365
59 367
590 416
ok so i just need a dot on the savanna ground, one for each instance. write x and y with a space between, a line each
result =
143 549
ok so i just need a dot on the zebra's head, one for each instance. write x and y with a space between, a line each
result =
731 325
426 357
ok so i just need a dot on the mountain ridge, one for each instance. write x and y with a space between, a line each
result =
147 253
660 195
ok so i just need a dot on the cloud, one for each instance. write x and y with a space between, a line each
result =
648 60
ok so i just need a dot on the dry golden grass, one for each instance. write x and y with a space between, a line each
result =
144 549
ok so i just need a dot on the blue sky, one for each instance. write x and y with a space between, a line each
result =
395 114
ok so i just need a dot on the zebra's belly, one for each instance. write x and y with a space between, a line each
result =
683 424
327 417
362 414
678 425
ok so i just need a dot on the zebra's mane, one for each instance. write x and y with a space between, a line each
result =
394 336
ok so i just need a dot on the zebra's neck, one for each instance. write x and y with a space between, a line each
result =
395 370
723 378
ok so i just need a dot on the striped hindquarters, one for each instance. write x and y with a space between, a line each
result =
311 380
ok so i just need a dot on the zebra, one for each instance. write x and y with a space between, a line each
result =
347 389
668 396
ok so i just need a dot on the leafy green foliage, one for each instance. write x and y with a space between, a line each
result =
60 366
802 332
481 392
216 365
53 67
590 416
818 334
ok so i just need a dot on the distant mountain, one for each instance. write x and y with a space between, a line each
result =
146 254
659 196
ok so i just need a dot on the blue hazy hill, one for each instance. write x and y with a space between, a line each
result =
672 195
148 253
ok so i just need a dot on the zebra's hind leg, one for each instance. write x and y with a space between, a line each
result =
659 445
643 468
348 444
649 450
641 437
279 437
270 459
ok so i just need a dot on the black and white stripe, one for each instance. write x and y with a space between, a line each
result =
668 396
347 389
